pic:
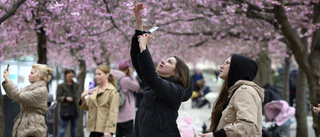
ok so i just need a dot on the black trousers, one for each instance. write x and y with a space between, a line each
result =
96 134
125 129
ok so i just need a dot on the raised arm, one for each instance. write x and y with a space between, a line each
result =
139 23
135 50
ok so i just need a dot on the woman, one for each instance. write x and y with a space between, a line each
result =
128 84
67 96
33 102
102 104
167 87
238 108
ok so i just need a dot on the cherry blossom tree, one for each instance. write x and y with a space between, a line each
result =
85 33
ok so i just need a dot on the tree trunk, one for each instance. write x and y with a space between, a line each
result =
42 44
2 128
264 74
286 76
309 63
301 109
81 78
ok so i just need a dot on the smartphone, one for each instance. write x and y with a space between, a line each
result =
153 29
8 67
91 84
311 106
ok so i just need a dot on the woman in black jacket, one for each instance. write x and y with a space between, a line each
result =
167 86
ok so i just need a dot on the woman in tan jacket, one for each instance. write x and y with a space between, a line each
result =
33 102
238 108
102 104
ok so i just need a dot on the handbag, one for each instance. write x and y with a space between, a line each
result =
68 112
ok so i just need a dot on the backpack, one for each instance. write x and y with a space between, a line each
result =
122 96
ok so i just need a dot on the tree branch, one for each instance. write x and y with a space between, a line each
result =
298 48
113 22
12 11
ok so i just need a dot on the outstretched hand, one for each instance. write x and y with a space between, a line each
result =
6 75
206 135
137 10
316 110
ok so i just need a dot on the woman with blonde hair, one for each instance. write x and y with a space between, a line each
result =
102 104
33 102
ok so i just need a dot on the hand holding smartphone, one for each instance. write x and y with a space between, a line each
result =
91 85
8 67
311 106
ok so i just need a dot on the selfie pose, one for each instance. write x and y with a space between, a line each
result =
238 108
167 86
33 102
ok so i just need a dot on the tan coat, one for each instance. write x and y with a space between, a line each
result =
243 115
102 109
33 105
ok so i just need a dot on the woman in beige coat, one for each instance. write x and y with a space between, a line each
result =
102 104
238 108
33 102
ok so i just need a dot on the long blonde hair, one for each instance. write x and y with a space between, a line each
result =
105 69
43 71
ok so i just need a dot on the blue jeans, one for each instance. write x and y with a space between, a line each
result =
64 125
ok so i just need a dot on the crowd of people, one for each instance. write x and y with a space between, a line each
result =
151 99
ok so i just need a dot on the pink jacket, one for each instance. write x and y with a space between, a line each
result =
187 128
280 111
128 85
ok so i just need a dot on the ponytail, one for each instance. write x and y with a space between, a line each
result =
112 80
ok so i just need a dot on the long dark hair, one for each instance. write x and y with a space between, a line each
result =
218 106
182 73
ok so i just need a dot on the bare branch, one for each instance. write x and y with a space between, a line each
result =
12 11
113 22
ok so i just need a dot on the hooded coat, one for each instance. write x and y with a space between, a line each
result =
242 117
158 111
33 105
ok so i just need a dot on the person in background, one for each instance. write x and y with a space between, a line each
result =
102 104
238 108
197 75
33 102
293 85
186 126
67 97
270 94
167 86
128 84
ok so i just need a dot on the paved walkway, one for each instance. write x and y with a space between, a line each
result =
202 115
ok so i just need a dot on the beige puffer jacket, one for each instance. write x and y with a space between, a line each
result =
33 105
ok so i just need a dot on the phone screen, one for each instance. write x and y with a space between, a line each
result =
8 67
311 106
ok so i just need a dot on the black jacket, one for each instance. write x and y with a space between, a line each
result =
64 90
158 111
